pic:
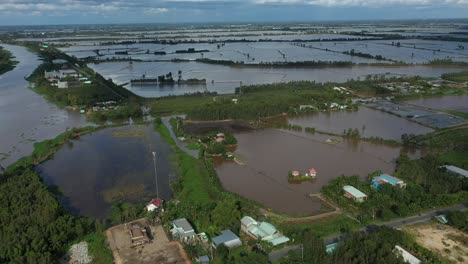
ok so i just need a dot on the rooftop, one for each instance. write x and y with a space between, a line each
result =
390 179
354 192
183 223
407 257
457 170
226 236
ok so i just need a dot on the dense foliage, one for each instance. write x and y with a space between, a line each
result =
34 228
6 61
259 101
374 247
459 220
427 187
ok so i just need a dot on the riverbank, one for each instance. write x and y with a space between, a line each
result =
6 61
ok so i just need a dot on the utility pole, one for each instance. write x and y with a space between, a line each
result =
155 174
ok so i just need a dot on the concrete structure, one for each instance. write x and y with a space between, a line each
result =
407 257
385 178
154 204
228 238
355 194
262 230
182 230
456 170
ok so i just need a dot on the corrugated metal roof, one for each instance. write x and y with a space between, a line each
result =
279 240
268 228
227 237
354 192
457 170
184 224
390 179
407 257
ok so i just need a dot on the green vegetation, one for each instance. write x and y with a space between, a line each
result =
448 139
35 229
374 247
98 248
458 220
456 76
6 61
322 228
258 101
179 104
119 113
459 114
427 187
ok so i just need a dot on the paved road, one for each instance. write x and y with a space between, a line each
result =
180 144
423 217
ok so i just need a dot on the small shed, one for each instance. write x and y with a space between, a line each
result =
154 204
407 257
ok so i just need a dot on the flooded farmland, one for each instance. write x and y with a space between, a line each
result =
224 79
369 122
270 154
109 166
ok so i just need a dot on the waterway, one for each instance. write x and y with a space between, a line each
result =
26 117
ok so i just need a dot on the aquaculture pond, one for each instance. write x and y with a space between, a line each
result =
268 155
369 123
110 166
443 102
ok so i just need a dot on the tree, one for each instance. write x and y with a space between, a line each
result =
226 214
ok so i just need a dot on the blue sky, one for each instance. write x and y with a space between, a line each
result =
30 12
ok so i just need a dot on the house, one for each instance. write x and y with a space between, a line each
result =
354 194
456 170
227 238
262 230
182 230
295 173
68 73
51 74
203 259
407 257
138 234
385 178
312 173
154 204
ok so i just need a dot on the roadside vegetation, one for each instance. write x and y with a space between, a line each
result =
6 61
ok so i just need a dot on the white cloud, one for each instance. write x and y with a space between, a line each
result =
156 10
366 3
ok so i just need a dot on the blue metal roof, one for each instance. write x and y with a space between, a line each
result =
226 236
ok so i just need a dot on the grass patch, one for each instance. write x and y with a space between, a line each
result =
323 228
98 248
459 159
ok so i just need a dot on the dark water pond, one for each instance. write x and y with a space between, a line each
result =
270 154
109 166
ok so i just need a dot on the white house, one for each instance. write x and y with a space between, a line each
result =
182 230
154 204
62 85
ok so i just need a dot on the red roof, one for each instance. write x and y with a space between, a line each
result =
156 202
312 170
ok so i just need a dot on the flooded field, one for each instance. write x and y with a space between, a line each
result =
369 122
109 166
26 117
270 154
444 102
224 79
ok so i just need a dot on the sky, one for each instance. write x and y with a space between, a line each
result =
40 12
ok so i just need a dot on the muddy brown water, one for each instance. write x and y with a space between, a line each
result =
269 154
369 122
